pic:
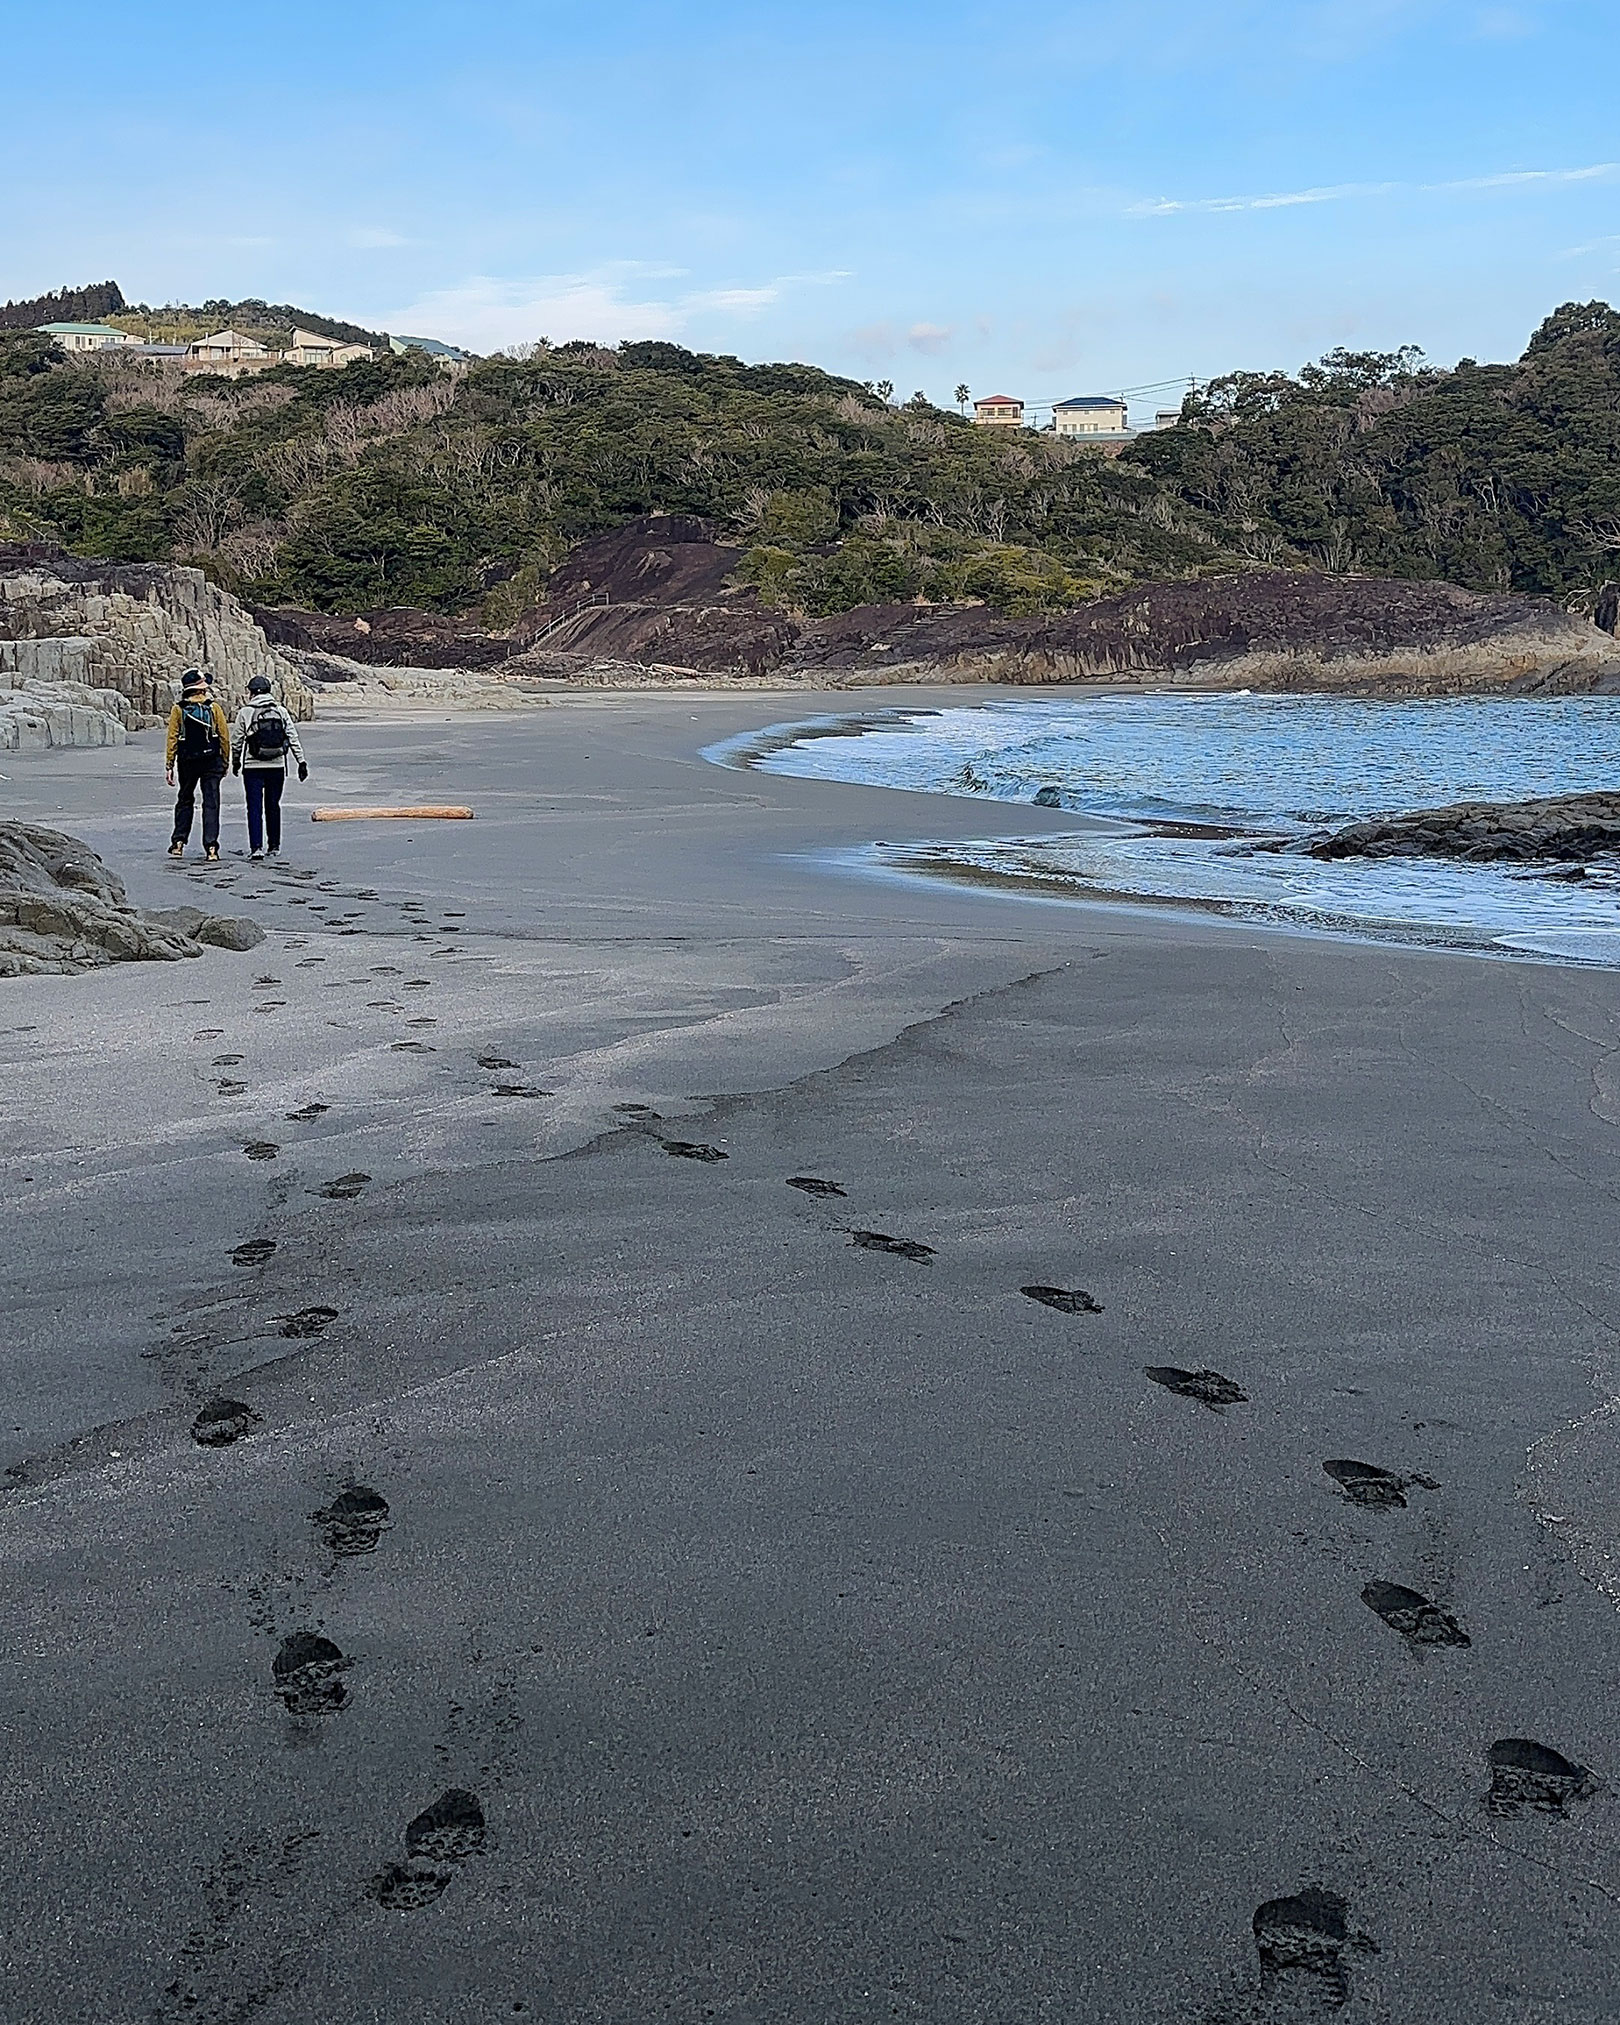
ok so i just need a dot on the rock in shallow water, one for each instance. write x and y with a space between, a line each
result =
1569 829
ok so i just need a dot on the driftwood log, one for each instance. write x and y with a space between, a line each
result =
445 813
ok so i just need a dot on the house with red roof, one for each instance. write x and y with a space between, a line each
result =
999 411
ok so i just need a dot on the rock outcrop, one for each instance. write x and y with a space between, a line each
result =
1564 829
129 628
62 909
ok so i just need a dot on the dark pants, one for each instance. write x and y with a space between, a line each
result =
193 774
264 785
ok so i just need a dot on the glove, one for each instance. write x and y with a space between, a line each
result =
303 771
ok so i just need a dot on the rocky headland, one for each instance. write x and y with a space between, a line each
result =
91 651
63 909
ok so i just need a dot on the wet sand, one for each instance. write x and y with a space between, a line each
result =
620 1585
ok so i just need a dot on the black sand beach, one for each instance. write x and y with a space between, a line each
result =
575 1576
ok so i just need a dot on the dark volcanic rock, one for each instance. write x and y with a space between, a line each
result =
1567 828
395 636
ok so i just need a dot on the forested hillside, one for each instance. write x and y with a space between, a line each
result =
391 483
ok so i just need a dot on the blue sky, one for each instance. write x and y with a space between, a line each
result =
1037 199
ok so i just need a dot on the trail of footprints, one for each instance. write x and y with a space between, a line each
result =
308 1668
1304 1941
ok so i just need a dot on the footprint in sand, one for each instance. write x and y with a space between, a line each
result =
627 1110
307 1321
267 980
525 1090
343 1187
441 1838
1067 1300
1302 1942
208 1033
812 1184
1527 1776
261 1149
355 1520
690 1149
497 1062
308 1675
1209 1388
1412 1615
230 1089
308 1113
1365 1484
411 1048
222 1421
901 1248
253 1252
225 1061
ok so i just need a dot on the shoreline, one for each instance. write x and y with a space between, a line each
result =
808 1619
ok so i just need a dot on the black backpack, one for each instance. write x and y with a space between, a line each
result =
267 734
199 734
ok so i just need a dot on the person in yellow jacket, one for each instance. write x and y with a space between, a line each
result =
200 746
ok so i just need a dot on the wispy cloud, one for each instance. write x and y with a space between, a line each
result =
929 338
366 238
1339 193
608 304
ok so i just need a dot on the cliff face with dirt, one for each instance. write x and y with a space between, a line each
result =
660 594
71 631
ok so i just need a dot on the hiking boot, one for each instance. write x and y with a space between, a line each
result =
177 849
211 855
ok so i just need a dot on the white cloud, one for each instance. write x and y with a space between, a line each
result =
931 338
484 314
610 305
745 300
1335 193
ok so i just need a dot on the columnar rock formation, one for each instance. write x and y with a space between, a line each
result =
73 630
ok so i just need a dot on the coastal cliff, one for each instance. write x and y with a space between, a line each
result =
90 651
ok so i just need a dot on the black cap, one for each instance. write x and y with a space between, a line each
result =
259 686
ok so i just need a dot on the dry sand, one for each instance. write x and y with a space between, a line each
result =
821 1633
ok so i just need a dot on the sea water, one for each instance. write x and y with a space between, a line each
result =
1196 792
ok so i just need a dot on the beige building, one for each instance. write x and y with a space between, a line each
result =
230 354
999 411
1100 417
309 348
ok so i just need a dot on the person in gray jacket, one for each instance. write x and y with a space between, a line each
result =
263 738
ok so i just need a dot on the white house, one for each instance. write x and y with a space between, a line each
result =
999 411
1098 416
309 348
86 337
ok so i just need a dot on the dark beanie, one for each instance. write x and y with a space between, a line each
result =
259 686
